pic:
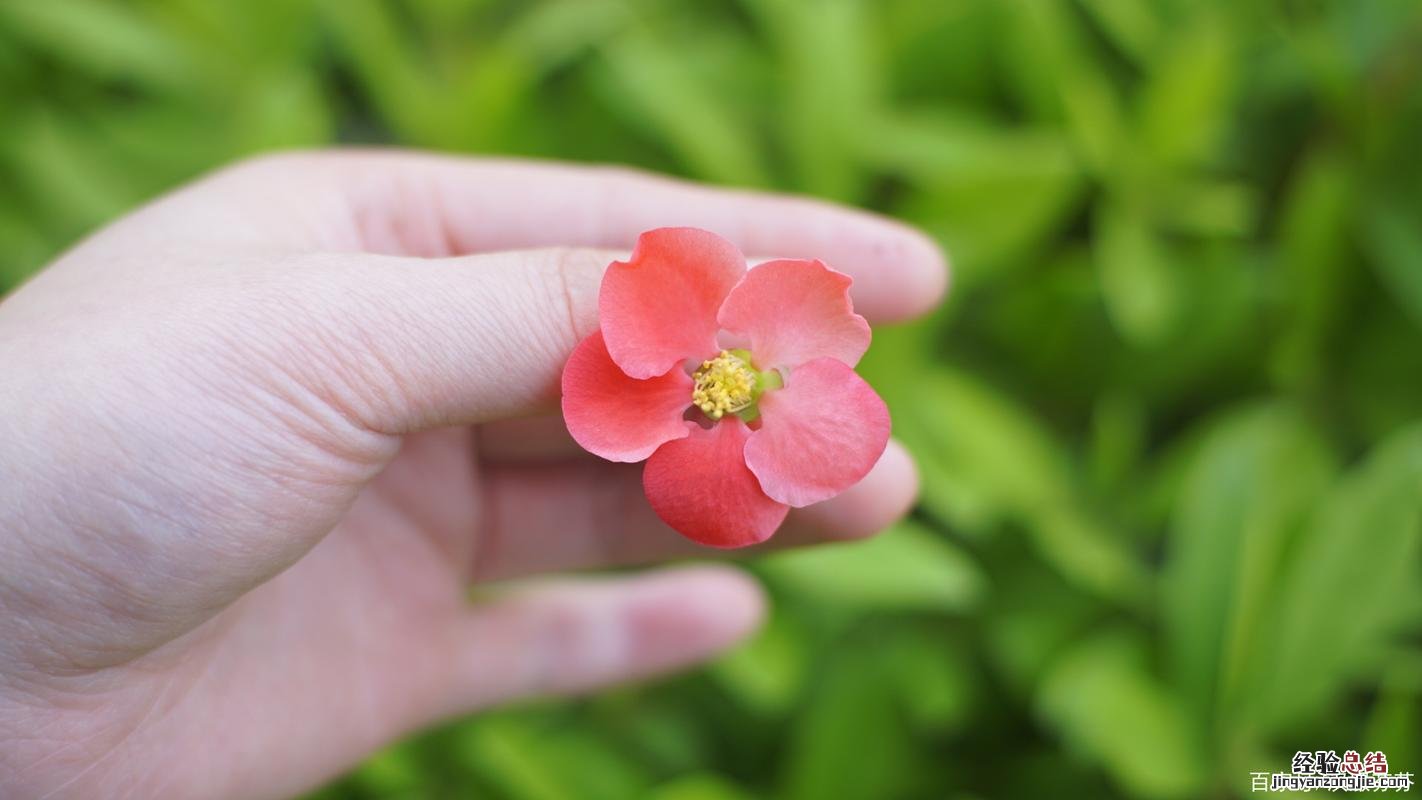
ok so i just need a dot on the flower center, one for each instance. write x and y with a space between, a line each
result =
724 385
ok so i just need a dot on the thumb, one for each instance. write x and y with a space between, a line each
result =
405 344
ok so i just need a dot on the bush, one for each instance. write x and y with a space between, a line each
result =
1169 423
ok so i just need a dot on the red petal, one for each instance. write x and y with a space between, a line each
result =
819 435
700 486
659 308
796 311
617 417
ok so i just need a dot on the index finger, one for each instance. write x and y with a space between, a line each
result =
414 204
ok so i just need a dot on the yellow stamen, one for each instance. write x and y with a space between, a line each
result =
724 385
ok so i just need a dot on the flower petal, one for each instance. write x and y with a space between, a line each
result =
617 417
700 486
819 435
659 307
795 311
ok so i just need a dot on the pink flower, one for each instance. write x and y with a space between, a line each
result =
736 386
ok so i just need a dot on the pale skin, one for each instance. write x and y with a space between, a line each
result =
260 437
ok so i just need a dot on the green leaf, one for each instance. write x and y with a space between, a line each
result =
1394 723
110 40
1118 436
991 458
1252 484
1393 239
1088 553
528 761
987 461
934 676
1100 698
393 772
656 88
830 83
1133 26
1339 601
1208 208
1138 283
990 191
767 673
22 250
1381 378
393 73
1313 263
65 175
908 568
283 113
1186 99
1048 35
850 743
1035 619
553 34
699 786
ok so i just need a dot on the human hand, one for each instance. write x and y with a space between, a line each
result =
261 435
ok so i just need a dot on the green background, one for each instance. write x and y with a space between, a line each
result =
1170 422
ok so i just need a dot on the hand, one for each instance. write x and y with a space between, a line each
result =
260 436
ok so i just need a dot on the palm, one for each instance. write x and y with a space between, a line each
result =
322 644
331 652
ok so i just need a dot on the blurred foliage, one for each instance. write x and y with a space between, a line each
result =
1170 422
